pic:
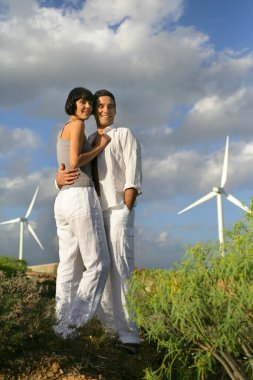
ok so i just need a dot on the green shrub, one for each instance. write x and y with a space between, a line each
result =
12 266
25 313
200 314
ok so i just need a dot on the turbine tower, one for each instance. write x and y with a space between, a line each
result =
218 192
24 221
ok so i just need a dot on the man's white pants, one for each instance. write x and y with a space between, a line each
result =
119 228
82 243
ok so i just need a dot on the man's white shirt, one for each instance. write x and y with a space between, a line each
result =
119 166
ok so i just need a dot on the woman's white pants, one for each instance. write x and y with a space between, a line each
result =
82 245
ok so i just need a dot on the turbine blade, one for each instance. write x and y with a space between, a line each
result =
225 165
236 202
208 196
32 203
32 232
11 221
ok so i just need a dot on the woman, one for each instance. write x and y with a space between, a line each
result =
80 229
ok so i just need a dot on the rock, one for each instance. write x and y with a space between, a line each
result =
55 366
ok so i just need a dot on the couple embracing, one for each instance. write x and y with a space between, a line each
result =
99 179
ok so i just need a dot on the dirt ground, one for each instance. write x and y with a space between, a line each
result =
91 356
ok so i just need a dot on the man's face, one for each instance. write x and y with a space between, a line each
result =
105 111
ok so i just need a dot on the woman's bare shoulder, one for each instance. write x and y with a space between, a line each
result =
76 125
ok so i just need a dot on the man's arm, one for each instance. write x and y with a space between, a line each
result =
133 171
66 177
130 196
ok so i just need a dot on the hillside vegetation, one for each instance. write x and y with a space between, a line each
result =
29 349
196 321
200 314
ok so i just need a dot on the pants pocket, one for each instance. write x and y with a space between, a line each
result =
128 242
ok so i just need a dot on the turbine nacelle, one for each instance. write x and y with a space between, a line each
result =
218 190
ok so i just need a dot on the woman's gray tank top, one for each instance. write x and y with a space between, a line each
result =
62 148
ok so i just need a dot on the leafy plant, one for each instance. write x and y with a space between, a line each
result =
11 266
200 314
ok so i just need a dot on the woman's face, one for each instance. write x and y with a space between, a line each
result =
83 109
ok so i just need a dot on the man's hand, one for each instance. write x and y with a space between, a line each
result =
66 177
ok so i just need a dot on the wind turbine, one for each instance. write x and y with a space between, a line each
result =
24 221
218 192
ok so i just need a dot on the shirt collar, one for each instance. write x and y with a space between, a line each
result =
109 128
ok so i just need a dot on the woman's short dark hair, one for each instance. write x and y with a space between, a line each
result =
103 93
74 95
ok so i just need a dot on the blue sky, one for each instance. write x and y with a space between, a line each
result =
182 75
227 22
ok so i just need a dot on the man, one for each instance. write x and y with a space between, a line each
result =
119 172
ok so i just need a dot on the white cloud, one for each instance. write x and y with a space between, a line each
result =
144 11
17 191
156 250
217 115
52 51
189 172
17 138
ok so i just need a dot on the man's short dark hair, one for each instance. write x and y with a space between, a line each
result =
76 94
103 93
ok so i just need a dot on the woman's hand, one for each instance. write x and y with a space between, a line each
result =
104 140
101 141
